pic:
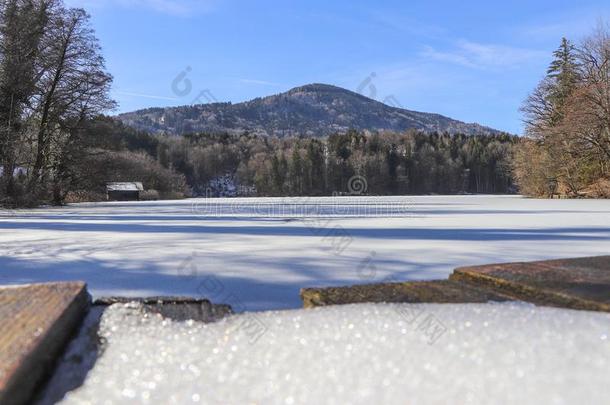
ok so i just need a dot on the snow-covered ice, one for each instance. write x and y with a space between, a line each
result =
257 253
511 353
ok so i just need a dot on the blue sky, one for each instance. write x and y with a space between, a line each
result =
472 60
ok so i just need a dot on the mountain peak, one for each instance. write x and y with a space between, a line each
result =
315 109
317 87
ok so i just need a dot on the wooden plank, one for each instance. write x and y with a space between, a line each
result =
176 308
439 291
582 283
35 323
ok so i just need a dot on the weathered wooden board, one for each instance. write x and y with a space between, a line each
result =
440 291
570 283
176 308
582 283
35 323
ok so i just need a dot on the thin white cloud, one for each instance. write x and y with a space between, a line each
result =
260 82
405 24
173 7
484 56
141 95
572 24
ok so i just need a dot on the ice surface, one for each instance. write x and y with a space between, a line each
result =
359 354
257 253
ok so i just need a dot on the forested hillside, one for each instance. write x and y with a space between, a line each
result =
315 110
391 163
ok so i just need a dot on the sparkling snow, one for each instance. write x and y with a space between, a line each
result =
359 354
256 254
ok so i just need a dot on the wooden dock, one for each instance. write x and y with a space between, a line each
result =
36 321
571 283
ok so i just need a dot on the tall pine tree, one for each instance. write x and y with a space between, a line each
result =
564 76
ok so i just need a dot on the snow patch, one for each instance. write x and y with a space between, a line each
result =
359 354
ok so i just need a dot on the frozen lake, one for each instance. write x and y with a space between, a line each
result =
257 253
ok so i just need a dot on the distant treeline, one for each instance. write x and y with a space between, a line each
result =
408 163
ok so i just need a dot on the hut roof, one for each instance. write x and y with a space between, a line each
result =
125 186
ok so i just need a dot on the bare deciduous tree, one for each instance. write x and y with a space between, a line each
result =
568 119
74 86
52 79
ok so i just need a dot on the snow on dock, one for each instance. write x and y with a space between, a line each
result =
514 353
